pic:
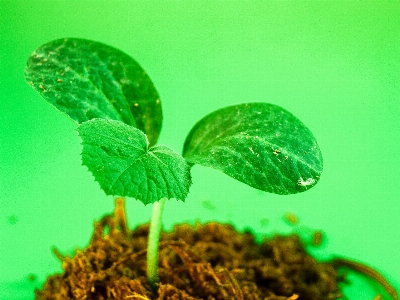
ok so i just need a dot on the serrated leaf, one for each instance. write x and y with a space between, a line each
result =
120 160
87 79
260 144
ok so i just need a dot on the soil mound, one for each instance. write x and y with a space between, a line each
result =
206 261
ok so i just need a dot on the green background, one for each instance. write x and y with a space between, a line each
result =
334 65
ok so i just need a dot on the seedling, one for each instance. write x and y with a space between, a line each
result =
119 116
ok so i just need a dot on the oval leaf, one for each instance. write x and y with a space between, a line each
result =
260 144
87 80
120 160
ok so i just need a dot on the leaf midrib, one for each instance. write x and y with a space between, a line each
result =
87 79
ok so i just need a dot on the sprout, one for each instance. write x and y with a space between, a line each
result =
119 117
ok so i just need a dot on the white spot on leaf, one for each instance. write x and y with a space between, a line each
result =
305 183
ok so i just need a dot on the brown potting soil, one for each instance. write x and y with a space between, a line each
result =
205 261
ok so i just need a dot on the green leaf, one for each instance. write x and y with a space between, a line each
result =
87 80
260 144
120 160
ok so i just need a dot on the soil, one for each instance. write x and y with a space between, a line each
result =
205 261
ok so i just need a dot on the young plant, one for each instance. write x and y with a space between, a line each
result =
119 116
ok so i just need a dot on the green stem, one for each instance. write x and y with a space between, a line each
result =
154 238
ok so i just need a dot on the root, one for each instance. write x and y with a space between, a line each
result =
363 269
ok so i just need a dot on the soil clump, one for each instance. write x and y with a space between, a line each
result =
205 261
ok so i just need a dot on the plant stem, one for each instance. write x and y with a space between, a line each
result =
152 246
119 213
